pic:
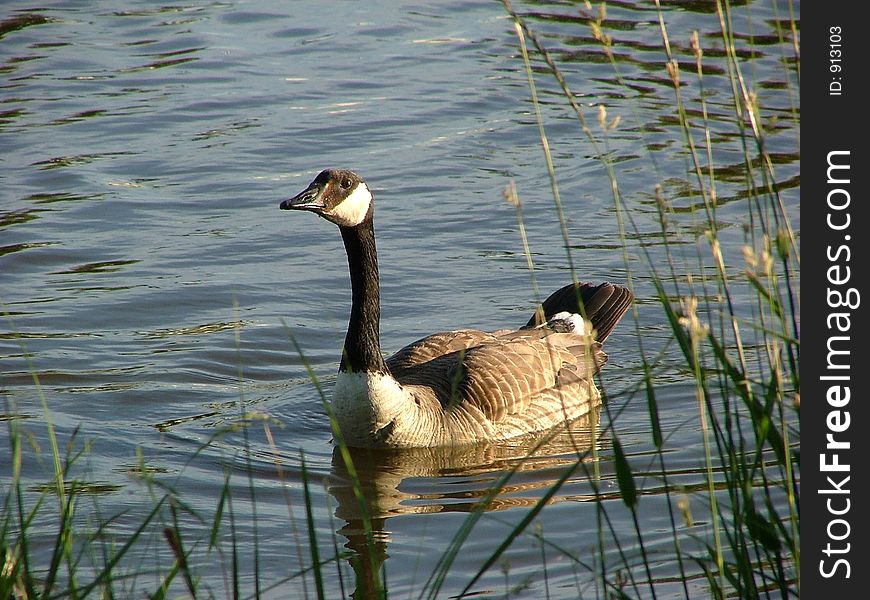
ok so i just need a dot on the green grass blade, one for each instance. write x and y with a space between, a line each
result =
523 524
627 489
312 531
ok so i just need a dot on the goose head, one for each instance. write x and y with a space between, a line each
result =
337 195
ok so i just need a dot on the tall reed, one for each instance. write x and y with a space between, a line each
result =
745 367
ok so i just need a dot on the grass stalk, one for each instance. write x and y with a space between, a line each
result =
312 531
545 146
344 451
728 436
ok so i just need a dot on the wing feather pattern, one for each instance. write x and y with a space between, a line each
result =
434 346
507 377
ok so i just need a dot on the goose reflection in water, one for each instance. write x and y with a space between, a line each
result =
425 481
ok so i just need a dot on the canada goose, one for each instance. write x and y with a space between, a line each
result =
463 386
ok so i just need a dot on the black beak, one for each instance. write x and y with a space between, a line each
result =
309 199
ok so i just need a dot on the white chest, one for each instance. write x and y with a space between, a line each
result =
368 405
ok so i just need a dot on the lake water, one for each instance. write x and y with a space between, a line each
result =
153 287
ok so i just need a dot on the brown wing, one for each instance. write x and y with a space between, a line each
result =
435 346
505 377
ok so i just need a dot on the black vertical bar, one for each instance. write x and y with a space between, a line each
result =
835 461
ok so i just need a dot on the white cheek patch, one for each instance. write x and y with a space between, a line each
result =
352 211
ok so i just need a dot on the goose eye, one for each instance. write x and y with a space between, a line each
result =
346 183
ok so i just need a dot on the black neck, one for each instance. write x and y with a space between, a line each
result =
362 349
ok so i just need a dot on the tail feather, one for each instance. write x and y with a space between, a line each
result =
603 305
